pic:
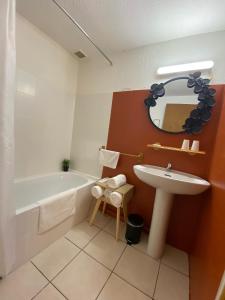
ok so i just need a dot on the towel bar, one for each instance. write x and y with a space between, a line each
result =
139 156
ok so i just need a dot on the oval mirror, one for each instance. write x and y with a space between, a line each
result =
181 104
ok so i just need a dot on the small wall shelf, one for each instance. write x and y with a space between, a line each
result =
158 146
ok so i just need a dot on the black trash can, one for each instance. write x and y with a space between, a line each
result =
135 223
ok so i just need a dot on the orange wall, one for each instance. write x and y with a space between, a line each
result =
130 131
207 260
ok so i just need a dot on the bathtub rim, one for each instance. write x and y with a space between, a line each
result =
87 176
90 180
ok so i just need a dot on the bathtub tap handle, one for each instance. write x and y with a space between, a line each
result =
169 167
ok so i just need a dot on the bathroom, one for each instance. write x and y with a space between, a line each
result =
77 82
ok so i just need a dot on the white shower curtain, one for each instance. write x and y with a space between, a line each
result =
7 90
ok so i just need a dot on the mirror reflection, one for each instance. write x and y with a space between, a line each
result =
174 107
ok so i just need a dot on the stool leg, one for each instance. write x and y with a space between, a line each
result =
125 212
117 223
104 207
98 202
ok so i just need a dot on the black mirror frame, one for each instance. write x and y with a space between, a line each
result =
199 116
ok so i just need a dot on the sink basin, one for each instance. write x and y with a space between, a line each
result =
171 181
167 183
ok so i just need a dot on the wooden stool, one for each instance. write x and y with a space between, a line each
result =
126 191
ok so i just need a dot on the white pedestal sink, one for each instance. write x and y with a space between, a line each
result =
167 183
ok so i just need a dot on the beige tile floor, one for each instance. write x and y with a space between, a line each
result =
88 264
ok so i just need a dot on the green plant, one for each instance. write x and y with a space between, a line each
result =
65 164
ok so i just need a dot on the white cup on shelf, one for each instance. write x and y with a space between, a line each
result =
195 146
185 145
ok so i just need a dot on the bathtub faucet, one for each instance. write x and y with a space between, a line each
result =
169 167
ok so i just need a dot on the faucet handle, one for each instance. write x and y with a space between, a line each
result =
169 166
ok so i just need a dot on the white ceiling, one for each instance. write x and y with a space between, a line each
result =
117 25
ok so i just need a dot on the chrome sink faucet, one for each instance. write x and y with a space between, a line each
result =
169 167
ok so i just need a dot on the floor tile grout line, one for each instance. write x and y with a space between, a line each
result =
74 257
145 253
47 284
111 273
135 248
132 285
157 277
88 241
83 249
50 280
102 229
72 243
160 261
142 251
119 258
113 234
125 279
97 260
103 285
40 271
111 270
80 250
92 237
99 230
59 291
172 268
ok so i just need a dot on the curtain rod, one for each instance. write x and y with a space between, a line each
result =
82 30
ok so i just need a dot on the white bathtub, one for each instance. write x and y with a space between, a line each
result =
28 191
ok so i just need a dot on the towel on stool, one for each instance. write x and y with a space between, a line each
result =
96 191
107 193
108 158
116 199
103 180
55 209
117 181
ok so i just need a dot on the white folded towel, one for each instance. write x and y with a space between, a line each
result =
107 193
116 199
108 158
103 180
117 181
96 191
55 209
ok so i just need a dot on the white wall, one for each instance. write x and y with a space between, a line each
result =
92 115
134 69
45 98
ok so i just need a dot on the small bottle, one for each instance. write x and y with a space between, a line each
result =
185 145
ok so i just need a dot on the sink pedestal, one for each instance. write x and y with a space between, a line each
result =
167 183
159 224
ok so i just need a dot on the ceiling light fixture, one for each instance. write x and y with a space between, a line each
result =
196 66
